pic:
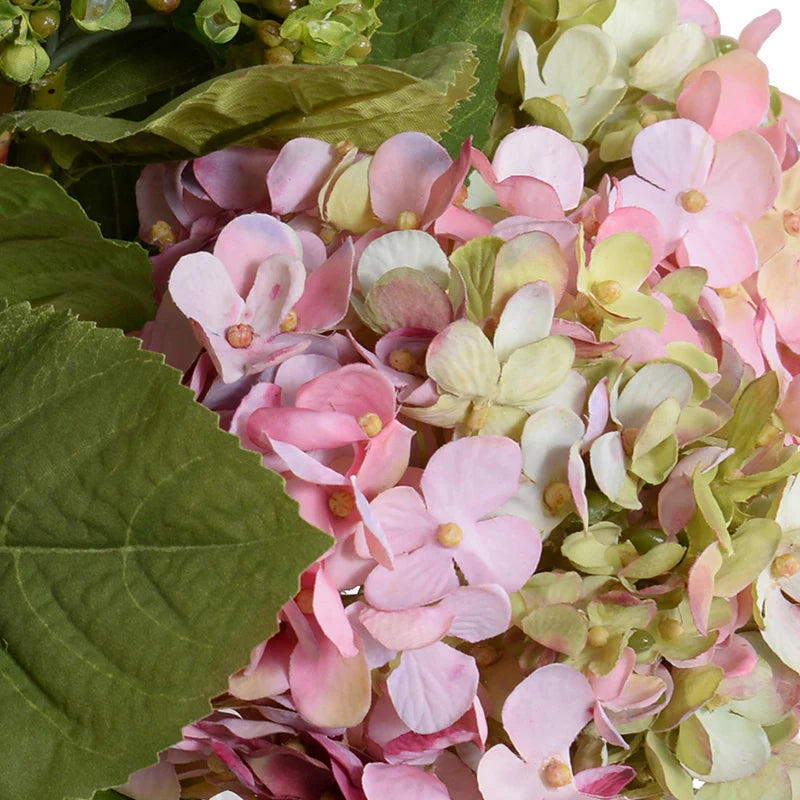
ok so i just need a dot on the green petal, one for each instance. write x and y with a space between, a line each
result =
536 370
462 361
558 627
624 257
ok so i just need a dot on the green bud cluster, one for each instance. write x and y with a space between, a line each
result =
23 28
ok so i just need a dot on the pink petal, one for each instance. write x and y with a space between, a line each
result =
404 518
722 245
480 612
675 154
327 291
386 459
402 172
598 411
544 154
607 687
701 13
304 428
755 33
355 390
408 629
606 782
470 478
461 224
247 241
262 395
735 97
399 782
307 468
297 175
172 334
779 285
292 374
159 782
433 687
503 776
530 197
278 285
420 577
329 613
676 504
446 187
268 675
288 773
745 178
638 193
700 585
328 689
606 728
236 177
557 693
202 289
635 220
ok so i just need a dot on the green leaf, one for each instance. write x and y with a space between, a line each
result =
753 412
53 253
475 261
411 26
269 104
143 554
108 196
124 70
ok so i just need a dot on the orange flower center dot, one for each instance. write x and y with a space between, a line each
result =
598 636
648 118
587 313
785 566
305 601
449 534
408 221
556 497
162 235
791 223
607 292
328 233
556 773
289 321
341 503
240 336
693 201
402 360
370 423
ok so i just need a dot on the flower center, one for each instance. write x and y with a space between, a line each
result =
556 773
629 440
598 636
449 534
240 336
587 313
402 360
556 497
341 503
791 223
408 221
476 417
370 423
786 566
305 601
289 321
607 292
693 201
327 233
162 235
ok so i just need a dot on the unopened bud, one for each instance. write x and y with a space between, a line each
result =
648 118
305 601
218 20
587 313
693 201
23 61
278 55
328 233
360 49
484 654
449 534
44 21
344 146
268 32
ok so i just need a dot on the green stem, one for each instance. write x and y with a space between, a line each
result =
77 44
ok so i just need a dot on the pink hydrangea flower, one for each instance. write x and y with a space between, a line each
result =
703 193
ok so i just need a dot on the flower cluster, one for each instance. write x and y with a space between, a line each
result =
549 422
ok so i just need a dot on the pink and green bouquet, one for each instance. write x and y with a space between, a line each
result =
422 469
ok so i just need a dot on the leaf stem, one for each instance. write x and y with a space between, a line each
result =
76 45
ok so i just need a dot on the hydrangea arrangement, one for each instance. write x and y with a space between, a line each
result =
542 400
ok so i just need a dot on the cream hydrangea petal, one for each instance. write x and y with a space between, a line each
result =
536 370
462 361
581 59
527 317
415 249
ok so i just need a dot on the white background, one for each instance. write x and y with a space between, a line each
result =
781 53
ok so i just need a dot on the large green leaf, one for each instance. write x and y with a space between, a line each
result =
143 554
51 252
408 27
269 104
124 70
